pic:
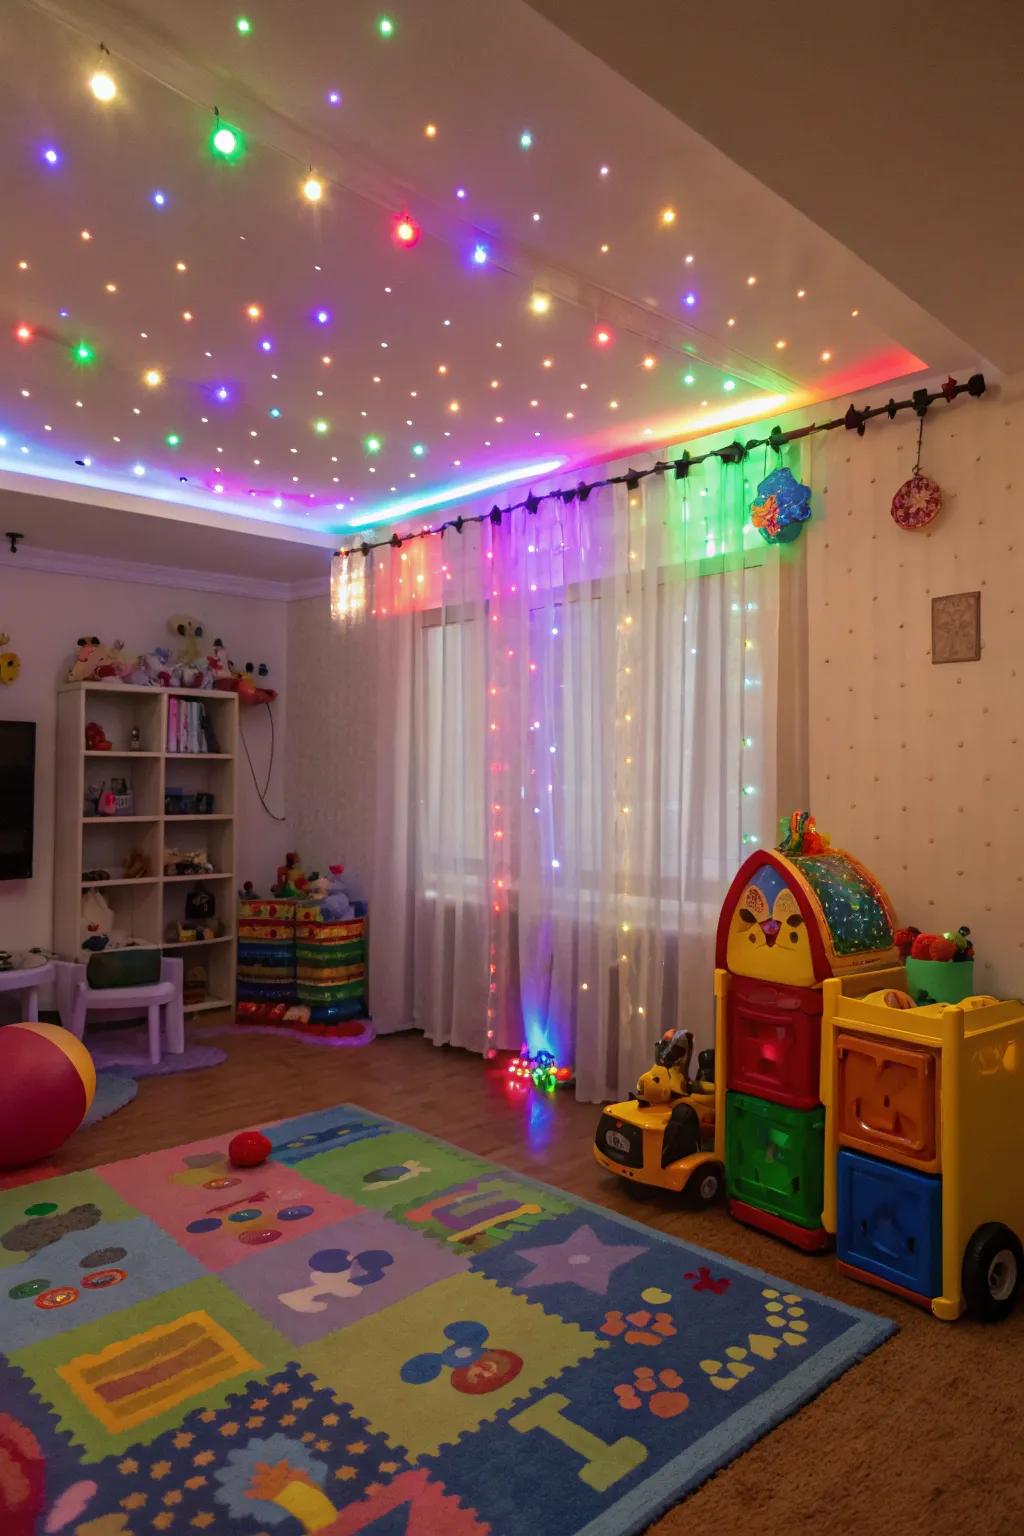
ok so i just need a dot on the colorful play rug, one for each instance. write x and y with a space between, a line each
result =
374 1332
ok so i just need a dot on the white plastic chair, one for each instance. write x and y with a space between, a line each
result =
160 1000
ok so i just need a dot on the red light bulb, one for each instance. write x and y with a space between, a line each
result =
602 336
407 232
24 332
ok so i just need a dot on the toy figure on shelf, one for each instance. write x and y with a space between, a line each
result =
337 907
664 1134
95 662
250 684
291 882
96 739
190 863
939 966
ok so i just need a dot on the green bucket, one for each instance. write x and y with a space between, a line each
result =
939 981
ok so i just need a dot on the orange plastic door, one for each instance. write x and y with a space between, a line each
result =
887 1098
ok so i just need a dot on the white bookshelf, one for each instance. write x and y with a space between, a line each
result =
145 907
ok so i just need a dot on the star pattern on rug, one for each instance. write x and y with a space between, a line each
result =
582 1259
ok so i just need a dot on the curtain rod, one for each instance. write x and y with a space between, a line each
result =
732 453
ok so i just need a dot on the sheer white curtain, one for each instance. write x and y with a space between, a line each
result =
576 740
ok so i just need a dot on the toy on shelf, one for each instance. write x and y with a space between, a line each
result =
250 684
291 882
96 739
191 863
923 1188
118 800
193 932
791 919
939 966
47 1082
541 1069
665 1134
95 662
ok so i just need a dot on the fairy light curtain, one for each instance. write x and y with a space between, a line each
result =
576 749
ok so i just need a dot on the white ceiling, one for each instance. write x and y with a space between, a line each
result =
482 72
899 128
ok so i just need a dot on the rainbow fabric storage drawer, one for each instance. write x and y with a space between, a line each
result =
774 1158
774 1041
889 1224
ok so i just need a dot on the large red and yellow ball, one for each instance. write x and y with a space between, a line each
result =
47 1082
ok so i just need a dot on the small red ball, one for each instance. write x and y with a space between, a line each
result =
248 1149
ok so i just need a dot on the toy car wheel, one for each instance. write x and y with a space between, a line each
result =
993 1269
708 1183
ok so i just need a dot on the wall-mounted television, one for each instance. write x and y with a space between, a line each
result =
17 797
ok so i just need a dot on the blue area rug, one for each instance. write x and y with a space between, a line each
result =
376 1332
114 1089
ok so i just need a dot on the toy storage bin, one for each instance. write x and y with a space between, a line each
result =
889 1223
886 1099
774 1157
774 1041
939 981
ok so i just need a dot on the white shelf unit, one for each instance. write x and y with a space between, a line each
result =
145 907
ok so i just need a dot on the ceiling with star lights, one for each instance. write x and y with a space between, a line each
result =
320 267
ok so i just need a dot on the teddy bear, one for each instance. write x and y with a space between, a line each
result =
102 663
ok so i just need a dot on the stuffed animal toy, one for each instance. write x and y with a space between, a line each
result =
94 661
156 669
192 650
10 662
218 661
337 905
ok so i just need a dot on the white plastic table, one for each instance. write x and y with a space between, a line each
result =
28 983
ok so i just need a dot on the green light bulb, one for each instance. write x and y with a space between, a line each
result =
419 450
227 142
372 444
385 26
320 426
688 378
84 354
172 439
244 25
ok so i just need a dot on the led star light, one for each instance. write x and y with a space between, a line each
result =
51 155
172 439
385 26
24 333
320 426
372 444
312 188
481 255
153 378
540 303
243 25
322 317
526 139
83 353
158 198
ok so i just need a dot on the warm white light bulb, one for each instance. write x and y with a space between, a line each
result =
103 85
312 189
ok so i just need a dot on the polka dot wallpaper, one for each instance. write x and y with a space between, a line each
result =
914 767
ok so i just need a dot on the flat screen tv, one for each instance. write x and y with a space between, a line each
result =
17 797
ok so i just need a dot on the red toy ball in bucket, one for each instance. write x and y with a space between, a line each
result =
248 1149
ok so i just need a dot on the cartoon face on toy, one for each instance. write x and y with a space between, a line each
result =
767 934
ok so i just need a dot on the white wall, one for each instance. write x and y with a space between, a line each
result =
44 613
916 768
332 773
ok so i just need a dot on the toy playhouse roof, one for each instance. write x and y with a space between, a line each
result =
850 920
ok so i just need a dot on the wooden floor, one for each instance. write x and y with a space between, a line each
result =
923 1439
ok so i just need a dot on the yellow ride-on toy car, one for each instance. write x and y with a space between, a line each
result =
664 1134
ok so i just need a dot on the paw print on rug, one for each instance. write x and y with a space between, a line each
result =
643 1327
785 1312
660 1392
705 1281
782 1312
